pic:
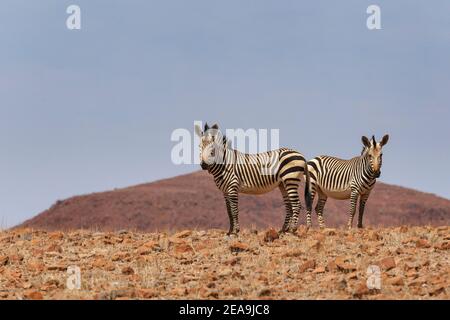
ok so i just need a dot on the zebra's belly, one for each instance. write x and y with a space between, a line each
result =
338 194
258 190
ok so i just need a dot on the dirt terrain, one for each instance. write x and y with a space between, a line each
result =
197 264
192 201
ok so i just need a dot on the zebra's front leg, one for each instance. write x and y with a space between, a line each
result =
319 209
231 200
353 200
308 213
362 204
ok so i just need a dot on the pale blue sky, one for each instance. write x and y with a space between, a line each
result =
91 110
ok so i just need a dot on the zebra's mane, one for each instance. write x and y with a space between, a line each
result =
226 142
364 151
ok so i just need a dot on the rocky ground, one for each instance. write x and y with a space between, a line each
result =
192 264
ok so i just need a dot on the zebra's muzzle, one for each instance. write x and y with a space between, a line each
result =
204 165
377 174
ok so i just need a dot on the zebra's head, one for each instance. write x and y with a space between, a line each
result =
374 151
211 145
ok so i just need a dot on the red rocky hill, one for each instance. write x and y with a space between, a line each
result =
192 201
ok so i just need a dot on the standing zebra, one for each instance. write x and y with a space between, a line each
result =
346 179
235 172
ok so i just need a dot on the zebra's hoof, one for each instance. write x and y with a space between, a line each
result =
360 226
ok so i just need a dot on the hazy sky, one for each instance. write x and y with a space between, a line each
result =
93 109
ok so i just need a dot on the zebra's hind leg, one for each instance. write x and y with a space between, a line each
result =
353 200
362 204
296 208
308 213
319 209
294 199
288 206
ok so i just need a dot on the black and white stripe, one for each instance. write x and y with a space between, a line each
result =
345 179
235 172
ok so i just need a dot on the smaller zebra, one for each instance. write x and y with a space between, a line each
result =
236 172
346 179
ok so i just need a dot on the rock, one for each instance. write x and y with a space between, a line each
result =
233 261
417 282
265 292
396 281
183 234
422 243
35 266
213 294
54 248
343 264
122 293
183 248
437 290
99 263
225 272
148 248
239 247
329 231
293 253
411 274
319 270
388 263
56 236
33 295
15 258
310 264
121 255
361 290
331 266
147 293
375 236
271 235
316 245
4 260
232 291
57 267
127 270
443 245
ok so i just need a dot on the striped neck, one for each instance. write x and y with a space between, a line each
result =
366 167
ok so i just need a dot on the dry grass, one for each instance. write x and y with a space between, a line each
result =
195 264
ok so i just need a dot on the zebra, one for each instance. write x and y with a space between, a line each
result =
235 172
346 179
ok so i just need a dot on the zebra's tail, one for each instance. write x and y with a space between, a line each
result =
308 200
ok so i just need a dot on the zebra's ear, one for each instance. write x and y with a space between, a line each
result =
206 127
215 126
365 141
198 131
384 140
